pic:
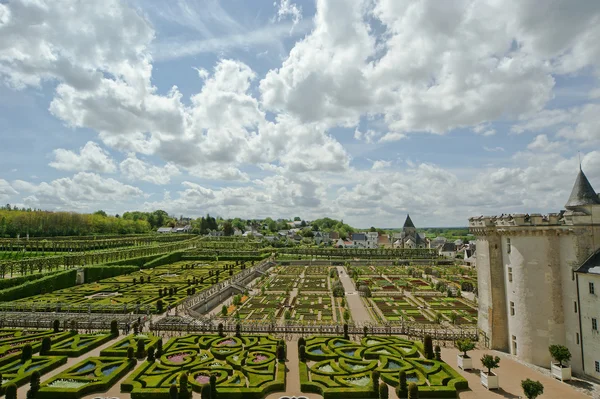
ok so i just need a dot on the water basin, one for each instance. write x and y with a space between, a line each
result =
109 370
86 367
361 382
317 351
326 368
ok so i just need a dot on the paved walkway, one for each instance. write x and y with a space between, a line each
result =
359 312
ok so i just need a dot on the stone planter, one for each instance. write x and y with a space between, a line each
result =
563 373
490 381
465 363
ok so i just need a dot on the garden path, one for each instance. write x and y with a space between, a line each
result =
359 312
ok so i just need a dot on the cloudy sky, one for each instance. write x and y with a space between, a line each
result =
356 109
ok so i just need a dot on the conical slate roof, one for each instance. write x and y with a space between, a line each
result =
583 193
408 222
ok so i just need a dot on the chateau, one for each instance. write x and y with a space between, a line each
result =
539 281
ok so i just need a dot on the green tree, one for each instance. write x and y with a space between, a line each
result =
413 391
532 389
383 391
464 345
560 353
490 362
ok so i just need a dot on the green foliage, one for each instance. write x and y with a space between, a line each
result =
140 348
383 391
375 379
532 389
301 341
96 273
130 353
220 330
57 281
302 353
46 346
151 354
465 345
413 391
560 353
213 386
402 390
11 391
205 392
173 392
183 386
438 353
26 353
114 328
224 310
428 347
490 362
34 385
56 325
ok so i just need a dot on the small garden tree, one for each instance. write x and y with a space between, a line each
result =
302 353
287 315
159 305
465 345
46 346
438 353
224 310
183 386
151 354
532 389
220 330
11 391
346 315
280 353
413 391
238 330
301 342
428 347
205 391
56 326
114 328
383 391
402 388
141 348
173 391
130 353
365 331
26 353
34 385
213 386
560 353
490 362
346 336
159 348
375 380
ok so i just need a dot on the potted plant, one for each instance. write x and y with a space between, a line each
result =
532 389
464 361
560 354
488 378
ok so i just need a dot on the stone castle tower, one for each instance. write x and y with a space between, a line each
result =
530 280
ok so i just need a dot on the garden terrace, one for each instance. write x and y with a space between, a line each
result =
263 308
345 253
313 309
314 284
336 368
279 282
42 320
245 367
94 374
399 308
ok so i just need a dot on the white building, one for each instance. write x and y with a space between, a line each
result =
534 275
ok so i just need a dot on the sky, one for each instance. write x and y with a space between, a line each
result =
361 110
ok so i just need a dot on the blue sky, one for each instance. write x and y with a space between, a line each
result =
357 109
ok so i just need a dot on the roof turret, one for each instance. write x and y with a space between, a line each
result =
583 193
409 222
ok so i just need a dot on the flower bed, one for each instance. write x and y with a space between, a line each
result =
94 374
19 372
340 368
245 367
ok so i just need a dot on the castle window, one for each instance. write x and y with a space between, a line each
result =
510 274
512 308
514 345
597 366
591 288
594 324
508 245
575 305
577 338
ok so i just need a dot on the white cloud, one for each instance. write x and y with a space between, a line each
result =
80 192
493 149
381 164
6 191
135 169
541 143
91 157
286 8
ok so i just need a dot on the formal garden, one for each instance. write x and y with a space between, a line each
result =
336 367
237 367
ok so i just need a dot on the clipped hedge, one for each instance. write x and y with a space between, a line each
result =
13 282
96 273
20 376
164 260
139 261
53 282
119 348
75 350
